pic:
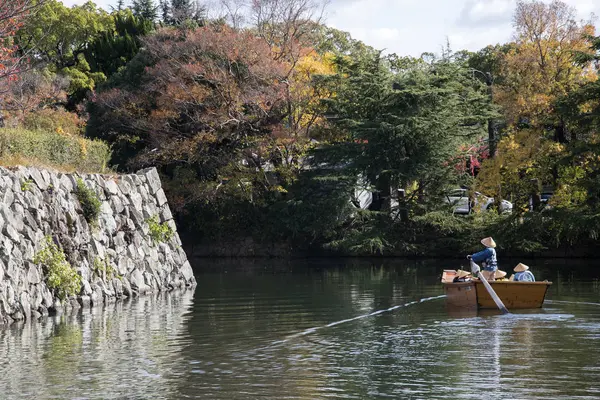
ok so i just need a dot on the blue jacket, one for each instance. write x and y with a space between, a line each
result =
525 276
489 257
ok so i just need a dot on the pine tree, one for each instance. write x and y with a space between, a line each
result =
403 123
165 12
114 49
145 9
182 10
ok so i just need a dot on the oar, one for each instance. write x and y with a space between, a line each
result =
493 295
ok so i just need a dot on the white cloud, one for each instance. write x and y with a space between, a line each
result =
412 27
493 8
102 3
386 33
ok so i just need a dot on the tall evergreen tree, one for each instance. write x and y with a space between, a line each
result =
165 12
115 48
145 9
404 119
182 10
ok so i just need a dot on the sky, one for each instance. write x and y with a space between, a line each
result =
412 27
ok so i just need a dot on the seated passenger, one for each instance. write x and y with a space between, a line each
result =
488 256
522 274
462 276
500 275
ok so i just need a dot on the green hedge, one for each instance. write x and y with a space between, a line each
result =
67 152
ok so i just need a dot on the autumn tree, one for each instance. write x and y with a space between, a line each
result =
34 90
541 67
205 107
12 15
538 70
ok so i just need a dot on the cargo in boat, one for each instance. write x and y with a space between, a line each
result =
473 295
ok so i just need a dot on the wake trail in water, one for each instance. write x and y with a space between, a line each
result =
572 302
313 330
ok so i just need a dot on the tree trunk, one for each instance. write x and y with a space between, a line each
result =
382 196
536 199
402 209
560 133
491 128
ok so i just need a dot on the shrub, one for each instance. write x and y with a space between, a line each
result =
159 232
103 269
89 202
54 120
41 148
60 275
26 185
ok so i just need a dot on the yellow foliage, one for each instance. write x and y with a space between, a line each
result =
83 146
541 68
521 156
305 94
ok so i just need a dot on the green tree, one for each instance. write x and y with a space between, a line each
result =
120 6
404 119
165 12
59 37
145 9
113 49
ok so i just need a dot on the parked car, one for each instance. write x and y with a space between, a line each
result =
459 199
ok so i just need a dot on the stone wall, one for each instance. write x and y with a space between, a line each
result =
36 204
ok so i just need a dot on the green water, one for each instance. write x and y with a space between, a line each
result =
317 329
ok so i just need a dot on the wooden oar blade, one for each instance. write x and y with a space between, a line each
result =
490 290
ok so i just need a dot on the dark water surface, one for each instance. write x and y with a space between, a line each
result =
317 329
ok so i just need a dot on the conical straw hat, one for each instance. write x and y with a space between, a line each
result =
521 267
488 242
499 274
462 273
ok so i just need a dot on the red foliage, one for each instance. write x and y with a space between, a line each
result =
203 89
469 158
12 13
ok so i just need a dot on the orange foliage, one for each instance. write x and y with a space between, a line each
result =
12 13
541 67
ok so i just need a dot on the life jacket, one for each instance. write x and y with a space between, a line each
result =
491 264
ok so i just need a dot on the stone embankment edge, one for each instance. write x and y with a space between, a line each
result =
39 203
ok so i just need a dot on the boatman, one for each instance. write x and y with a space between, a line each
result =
522 274
488 257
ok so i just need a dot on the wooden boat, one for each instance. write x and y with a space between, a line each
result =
473 295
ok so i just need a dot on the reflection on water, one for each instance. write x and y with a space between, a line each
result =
344 329
123 350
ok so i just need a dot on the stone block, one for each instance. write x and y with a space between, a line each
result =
119 239
136 278
153 180
125 184
165 214
111 187
161 198
36 175
186 271
12 233
33 273
12 217
136 201
7 196
117 204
